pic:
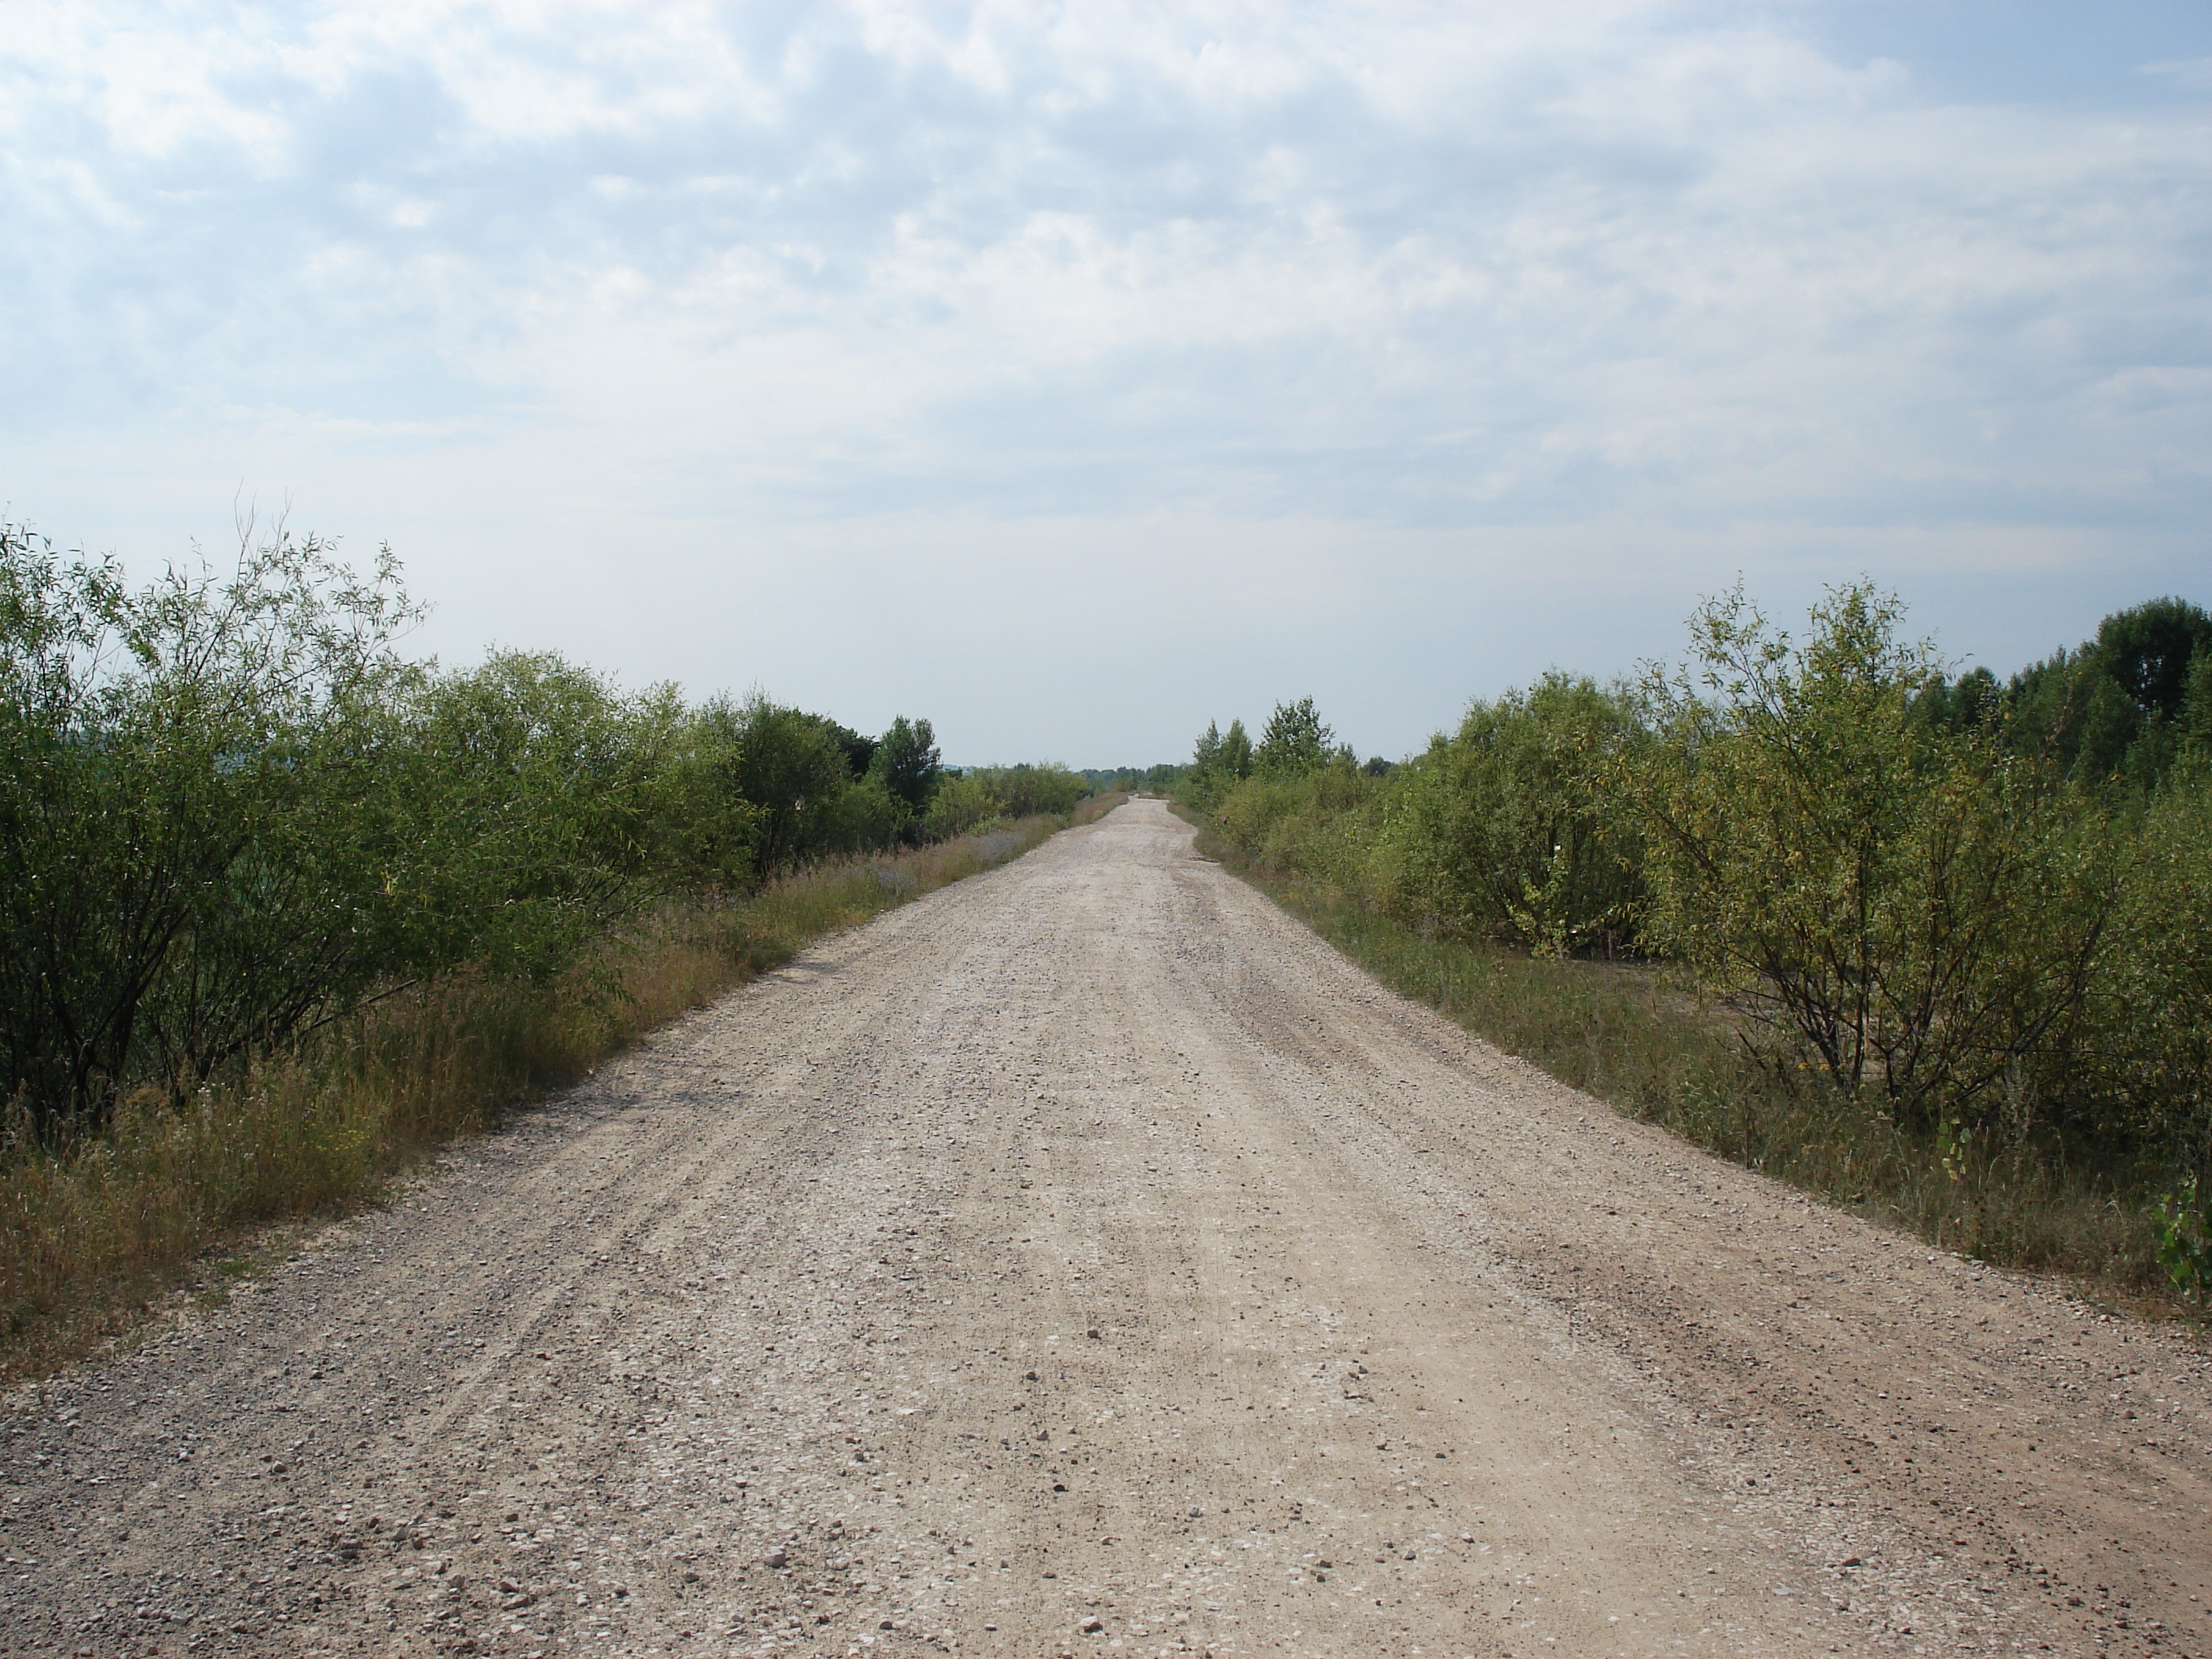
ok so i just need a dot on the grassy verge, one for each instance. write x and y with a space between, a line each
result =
1621 1034
90 1238
1098 806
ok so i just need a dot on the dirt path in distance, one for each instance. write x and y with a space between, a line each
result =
1086 1259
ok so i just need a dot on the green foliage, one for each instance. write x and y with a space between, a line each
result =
790 767
1162 778
865 817
968 799
965 801
2149 650
1236 759
859 750
1206 757
1908 902
2196 724
907 764
1295 740
230 811
542 799
1027 791
1955 927
1509 831
1321 824
2117 711
1220 763
2148 1066
2184 1242
194 799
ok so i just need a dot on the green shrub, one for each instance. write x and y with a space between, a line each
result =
864 816
2149 1061
2119 709
1319 823
229 812
962 803
966 800
1947 935
1219 762
1921 910
788 766
543 804
1508 830
196 801
1024 790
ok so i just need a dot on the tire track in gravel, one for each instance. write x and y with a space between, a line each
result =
1085 1259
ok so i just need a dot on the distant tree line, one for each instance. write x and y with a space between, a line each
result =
1981 907
231 811
1157 780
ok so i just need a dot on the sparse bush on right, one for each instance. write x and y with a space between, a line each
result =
1915 909
1932 944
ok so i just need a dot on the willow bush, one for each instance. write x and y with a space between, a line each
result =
1919 908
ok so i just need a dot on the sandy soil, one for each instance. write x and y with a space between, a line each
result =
1086 1259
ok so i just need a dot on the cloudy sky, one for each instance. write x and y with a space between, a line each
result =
1072 374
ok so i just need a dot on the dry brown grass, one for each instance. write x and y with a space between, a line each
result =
91 1237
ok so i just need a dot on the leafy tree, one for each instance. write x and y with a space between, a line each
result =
1973 702
230 810
1236 762
193 803
790 766
1912 904
860 751
2154 1041
1319 822
2148 650
1295 740
2197 710
1218 763
963 801
714 833
907 764
865 817
1206 757
968 799
2117 709
1026 791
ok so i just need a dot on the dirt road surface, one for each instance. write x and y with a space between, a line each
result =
1086 1259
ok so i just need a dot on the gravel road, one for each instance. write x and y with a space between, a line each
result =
1086 1259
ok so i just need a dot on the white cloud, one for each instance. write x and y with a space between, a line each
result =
1500 283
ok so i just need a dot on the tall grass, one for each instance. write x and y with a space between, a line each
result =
1620 1033
92 1232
